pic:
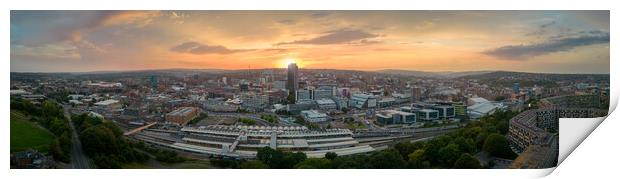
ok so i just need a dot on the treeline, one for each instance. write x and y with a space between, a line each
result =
104 142
161 155
50 115
454 150
270 118
247 121
266 158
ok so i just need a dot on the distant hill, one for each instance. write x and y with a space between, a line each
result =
443 74
550 76
406 73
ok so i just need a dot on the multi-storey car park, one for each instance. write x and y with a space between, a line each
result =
531 133
244 141
533 126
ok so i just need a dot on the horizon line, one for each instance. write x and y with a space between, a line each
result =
378 70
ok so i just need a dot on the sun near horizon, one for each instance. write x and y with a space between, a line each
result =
287 61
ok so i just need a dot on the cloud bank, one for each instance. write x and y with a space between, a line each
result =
199 49
552 45
336 37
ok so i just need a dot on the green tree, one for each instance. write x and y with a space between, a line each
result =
352 161
254 164
406 148
418 160
480 139
291 159
103 161
497 145
465 145
290 99
502 127
467 161
98 140
57 152
432 148
314 163
279 159
331 155
449 154
417 155
51 109
389 158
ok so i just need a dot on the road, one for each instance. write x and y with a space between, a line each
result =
79 160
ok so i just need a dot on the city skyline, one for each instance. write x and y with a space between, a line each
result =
525 41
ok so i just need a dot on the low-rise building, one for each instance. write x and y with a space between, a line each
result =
427 114
314 116
445 111
460 109
107 106
388 117
300 106
386 102
255 102
304 95
31 159
323 92
182 115
363 101
341 102
326 104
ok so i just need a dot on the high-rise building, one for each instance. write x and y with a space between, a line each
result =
515 88
416 94
292 83
153 81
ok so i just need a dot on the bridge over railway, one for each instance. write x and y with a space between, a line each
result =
136 130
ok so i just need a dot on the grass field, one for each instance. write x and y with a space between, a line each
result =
28 135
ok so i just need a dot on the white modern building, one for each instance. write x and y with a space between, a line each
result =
304 95
395 117
326 104
323 92
362 101
445 111
427 114
480 107
313 116
255 102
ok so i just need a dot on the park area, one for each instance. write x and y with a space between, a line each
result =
28 135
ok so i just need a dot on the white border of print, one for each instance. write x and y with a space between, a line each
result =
595 157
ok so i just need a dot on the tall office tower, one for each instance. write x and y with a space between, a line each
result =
416 94
515 88
292 83
153 81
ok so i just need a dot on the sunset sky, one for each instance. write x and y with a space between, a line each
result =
530 41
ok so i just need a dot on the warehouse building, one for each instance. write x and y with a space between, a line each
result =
182 115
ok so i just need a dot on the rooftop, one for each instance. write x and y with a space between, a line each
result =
182 111
106 102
